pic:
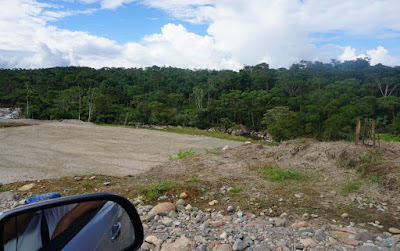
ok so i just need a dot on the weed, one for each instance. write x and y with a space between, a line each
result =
193 179
87 185
156 190
375 179
182 154
351 187
236 190
371 158
215 151
277 174
5 189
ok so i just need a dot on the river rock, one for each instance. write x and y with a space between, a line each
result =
239 245
308 242
181 244
153 240
26 187
180 202
162 208
394 230
183 195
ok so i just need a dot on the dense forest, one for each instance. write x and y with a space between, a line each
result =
310 99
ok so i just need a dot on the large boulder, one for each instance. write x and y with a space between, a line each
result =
240 130
162 208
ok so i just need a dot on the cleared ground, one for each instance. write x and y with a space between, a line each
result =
54 149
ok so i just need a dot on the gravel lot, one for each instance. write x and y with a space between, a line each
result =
54 149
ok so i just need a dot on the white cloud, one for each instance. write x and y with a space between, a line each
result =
240 32
108 4
26 41
380 55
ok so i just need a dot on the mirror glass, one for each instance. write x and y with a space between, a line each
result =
91 225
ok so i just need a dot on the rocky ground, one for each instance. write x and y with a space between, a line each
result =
181 226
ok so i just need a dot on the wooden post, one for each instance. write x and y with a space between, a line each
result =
364 127
373 132
358 131
379 142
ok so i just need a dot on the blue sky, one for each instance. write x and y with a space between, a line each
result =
130 22
213 34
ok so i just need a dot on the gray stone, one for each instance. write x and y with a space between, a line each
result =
7 196
262 248
364 236
239 245
180 202
107 183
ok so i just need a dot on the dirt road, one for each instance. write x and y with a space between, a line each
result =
55 149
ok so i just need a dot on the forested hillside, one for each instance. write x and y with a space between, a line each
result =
310 99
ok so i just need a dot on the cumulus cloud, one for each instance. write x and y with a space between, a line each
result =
26 41
380 55
279 32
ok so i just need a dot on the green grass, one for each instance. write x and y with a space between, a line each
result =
193 179
156 190
389 137
219 135
88 185
278 174
351 187
5 189
215 151
182 154
235 190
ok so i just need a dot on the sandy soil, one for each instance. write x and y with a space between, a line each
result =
55 149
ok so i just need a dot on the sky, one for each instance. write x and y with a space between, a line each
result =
196 34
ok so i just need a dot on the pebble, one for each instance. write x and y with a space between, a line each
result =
239 245
344 215
106 183
78 178
230 209
183 195
306 216
394 230
212 203
92 178
180 202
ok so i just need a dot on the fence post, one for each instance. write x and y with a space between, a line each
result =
358 131
373 132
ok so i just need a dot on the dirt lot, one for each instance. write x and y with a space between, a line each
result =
50 149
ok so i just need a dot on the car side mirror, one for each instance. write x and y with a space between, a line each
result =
99 221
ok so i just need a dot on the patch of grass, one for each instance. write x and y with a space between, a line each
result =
5 189
6 125
375 179
182 154
215 151
351 187
372 158
389 137
156 190
193 179
278 174
235 190
87 185
219 135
